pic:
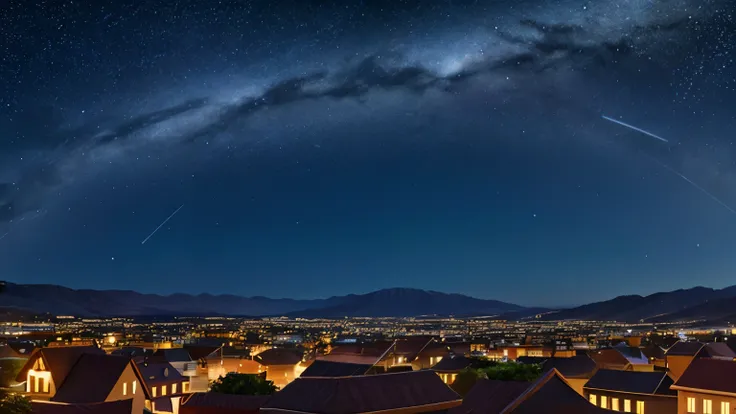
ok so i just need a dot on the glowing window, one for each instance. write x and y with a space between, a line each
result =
690 404
593 399
614 404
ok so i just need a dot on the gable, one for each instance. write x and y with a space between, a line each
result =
92 379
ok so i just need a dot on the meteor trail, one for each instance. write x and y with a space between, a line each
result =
162 224
703 190
3 236
633 127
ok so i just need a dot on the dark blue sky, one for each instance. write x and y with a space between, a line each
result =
326 148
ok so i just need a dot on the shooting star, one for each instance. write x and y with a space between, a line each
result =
616 121
703 190
3 236
162 224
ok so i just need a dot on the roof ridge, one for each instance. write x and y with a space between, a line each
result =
660 382
71 369
536 385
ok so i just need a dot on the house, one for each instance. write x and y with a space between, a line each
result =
407 350
367 353
217 403
550 394
655 354
76 375
164 384
680 355
637 360
621 357
230 359
576 370
182 361
632 391
113 407
320 368
717 350
450 366
47 368
490 396
405 392
707 386
430 355
281 365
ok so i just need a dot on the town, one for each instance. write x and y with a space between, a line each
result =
187 365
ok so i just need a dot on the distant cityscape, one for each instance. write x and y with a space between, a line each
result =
482 364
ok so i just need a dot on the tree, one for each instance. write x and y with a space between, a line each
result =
513 371
243 384
14 403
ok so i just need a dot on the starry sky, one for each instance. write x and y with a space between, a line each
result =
314 148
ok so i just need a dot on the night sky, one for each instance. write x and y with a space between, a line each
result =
320 148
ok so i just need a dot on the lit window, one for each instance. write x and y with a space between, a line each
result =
690 404
153 392
614 404
604 401
593 399
173 388
725 407
135 385
627 406
707 406
640 407
163 390
125 388
185 387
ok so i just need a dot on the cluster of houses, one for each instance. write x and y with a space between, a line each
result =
402 377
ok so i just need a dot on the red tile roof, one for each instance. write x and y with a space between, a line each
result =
683 348
717 350
58 360
423 391
490 396
377 349
709 375
92 378
212 402
114 407
277 356
550 394
608 358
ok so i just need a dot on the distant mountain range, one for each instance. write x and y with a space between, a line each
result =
58 300
698 303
